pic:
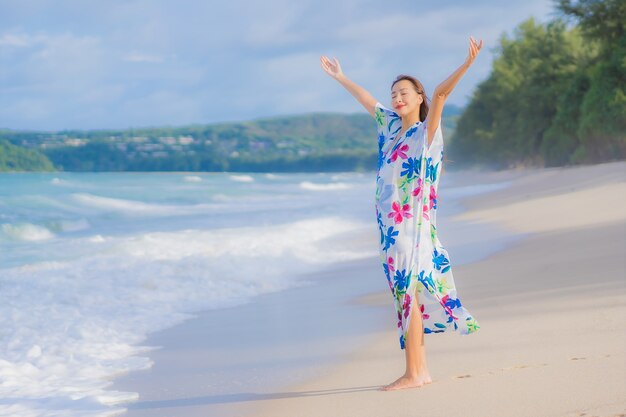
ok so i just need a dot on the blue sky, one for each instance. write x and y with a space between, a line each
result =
77 64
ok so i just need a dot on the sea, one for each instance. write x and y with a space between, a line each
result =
92 263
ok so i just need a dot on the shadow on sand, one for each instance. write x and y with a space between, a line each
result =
242 397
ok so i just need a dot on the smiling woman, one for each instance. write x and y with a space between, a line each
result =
415 263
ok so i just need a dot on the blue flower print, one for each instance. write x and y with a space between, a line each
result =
440 261
413 259
427 281
410 132
411 166
390 237
431 170
453 303
401 281
381 227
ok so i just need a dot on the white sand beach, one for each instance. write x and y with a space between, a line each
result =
551 306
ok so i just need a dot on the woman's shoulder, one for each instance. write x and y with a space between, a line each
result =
379 107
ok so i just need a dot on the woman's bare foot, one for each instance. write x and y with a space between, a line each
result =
408 381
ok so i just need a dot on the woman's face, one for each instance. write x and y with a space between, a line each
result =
404 99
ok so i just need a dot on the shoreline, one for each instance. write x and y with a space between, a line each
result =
376 303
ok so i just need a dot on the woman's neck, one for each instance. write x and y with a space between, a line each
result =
410 119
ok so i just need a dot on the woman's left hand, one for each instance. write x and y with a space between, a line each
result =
474 49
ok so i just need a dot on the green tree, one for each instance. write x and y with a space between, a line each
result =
510 112
15 158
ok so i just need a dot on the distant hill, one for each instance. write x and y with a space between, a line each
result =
310 142
16 158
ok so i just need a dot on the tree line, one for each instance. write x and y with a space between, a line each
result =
555 95
305 143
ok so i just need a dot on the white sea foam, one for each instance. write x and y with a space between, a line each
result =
24 231
241 178
134 207
347 176
306 185
118 204
68 327
192 178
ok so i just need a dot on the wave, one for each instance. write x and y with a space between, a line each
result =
133 207
192 178
306 185
168 276
241 178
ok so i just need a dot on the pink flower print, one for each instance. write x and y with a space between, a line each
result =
399 319
418 190
406 307
444 304
424 316
433 197
399 152
390 265
399 212
425 212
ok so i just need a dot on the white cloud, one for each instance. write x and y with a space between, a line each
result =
18 41
154 62
139 57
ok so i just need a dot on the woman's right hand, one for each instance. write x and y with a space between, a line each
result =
331 68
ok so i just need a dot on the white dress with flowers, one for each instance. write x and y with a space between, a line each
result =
414 261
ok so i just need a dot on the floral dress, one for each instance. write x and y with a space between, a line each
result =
414 261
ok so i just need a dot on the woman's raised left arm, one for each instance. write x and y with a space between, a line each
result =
443 90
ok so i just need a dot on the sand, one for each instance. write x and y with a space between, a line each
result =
551 305
552 310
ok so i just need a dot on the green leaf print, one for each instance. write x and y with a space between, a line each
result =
472 325
380 116
391 123
442 286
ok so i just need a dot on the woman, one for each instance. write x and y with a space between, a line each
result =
417 266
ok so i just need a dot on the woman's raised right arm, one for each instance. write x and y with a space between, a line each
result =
363 96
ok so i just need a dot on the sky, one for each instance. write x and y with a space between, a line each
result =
87 64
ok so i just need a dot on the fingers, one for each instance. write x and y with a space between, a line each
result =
475 43
474 48
325 63
331 68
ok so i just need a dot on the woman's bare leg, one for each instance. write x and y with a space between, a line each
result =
416 373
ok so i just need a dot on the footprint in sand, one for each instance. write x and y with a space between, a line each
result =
463 376
577 359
